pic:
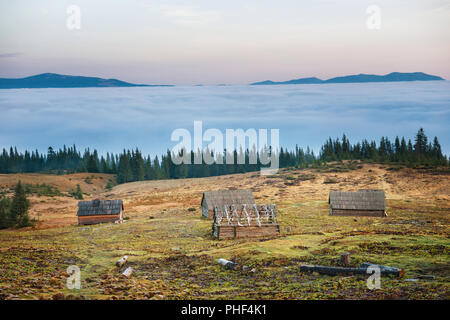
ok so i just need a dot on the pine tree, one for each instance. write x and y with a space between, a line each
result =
5 205
138 166
437 152
420 145
19 207
78 193
124 173
92 164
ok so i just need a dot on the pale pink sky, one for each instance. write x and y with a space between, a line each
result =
211 42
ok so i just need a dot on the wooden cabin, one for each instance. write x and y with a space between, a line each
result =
245 221
365 203
220 198
98 211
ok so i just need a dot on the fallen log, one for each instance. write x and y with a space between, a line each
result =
128 272
362 269
427 277
121 261
385 270
227 264
332 270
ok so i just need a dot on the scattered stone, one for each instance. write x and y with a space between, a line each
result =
245 268
121 261
412 280
128 272
253 270
228 264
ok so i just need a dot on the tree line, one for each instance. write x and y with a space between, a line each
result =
421 151
132 165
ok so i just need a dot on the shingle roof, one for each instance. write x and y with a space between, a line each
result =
220 198
360 200
98 207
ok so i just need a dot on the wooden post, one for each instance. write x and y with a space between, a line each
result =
345 259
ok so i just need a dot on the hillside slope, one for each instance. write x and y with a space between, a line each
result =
174 255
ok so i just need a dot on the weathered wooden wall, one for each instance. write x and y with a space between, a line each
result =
236 232
98 219
205 212
360 213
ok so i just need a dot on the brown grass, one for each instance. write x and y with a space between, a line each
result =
173 252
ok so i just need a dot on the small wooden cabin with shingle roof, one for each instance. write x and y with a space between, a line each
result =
221 198
370 203
97 211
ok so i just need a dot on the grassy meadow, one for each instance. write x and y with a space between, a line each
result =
174 255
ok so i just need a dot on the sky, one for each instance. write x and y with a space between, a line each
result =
223 42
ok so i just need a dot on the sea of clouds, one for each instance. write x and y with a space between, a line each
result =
110 119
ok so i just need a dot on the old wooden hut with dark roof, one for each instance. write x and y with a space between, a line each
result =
97 211
221 198
371 203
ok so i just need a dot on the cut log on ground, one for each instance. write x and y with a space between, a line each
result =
343 270
128 272
121 261
384 269
227 264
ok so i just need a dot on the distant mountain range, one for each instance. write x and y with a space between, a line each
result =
391 77
53 80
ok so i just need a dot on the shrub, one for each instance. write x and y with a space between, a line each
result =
42 190
109 185
77 193
329 180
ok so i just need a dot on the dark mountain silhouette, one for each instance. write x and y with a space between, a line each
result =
295 81
53 80
391 77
